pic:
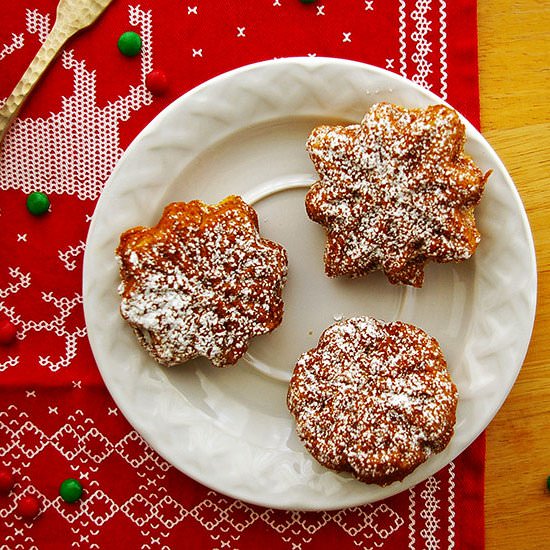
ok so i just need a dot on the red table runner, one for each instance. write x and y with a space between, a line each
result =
57 419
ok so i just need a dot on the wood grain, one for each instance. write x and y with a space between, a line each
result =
514 67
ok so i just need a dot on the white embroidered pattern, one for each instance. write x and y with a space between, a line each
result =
451 505
64 161
412 518
22 280
17 42
9 362
82 442
403 37
38 23
71 252
443 48
420 38
428 513
61 160
56 325
423 46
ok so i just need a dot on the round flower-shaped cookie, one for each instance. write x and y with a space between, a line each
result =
395 192
202 282
373 398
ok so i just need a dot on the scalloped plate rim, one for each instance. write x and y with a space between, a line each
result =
110 188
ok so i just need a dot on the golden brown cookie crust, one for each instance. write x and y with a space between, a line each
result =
202 282
395 192
373 398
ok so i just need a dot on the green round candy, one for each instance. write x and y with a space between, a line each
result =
129 43
38 203
70 490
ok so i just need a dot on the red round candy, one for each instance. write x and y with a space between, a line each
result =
8 331
156 82
28 506
6 480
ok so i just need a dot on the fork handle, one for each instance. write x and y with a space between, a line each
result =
59 34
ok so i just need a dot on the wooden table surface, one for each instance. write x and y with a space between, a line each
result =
514 66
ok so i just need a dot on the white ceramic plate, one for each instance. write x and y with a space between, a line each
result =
244 133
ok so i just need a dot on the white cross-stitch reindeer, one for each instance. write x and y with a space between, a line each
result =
72 151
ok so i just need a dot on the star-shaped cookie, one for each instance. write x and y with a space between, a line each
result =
395 192
202 282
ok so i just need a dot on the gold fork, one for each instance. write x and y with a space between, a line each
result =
72 16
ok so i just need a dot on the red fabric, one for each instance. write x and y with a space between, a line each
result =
57 419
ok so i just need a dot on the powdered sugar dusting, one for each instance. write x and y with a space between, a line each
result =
394 192
373 398
202 282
